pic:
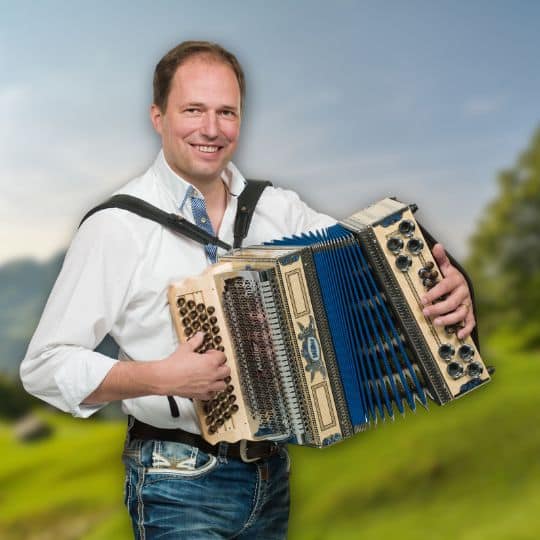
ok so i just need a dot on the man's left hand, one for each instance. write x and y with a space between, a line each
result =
457 305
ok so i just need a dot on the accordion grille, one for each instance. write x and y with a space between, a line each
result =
256 357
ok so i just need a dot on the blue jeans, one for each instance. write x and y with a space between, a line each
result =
176 491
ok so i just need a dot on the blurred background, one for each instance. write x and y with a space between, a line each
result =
433 102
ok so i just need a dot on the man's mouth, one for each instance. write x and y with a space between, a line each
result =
207 149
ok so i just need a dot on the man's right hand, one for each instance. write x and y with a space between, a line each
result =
184 373
191 374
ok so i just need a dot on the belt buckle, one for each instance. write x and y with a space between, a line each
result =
243 453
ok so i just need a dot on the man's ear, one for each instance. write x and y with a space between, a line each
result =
156 117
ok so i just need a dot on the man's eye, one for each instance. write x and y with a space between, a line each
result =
192 110
228 114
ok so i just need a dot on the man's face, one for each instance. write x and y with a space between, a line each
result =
200 128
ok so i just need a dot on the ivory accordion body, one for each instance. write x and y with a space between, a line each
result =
324 332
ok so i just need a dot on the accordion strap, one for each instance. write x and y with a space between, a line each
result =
247 201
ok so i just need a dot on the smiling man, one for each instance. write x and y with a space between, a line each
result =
114 280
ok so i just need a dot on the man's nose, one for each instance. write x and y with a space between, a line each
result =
209 126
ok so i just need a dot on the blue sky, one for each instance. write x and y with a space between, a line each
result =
347 102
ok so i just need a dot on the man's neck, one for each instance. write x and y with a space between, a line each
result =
216 198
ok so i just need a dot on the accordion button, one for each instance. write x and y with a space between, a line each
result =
474 369
229 389
394 244
423 273
191 304
186 321
446 351
430 265
207 337
220 422
181 302
466 352
205 327
188 331
183 311
212 320
234 408
193 315
217 340
196 324
232 399
215 329
203 317
455 370
220 348
406 227
403 262
212 429
227 379
200 307
210 310
428 283
415 246
227 414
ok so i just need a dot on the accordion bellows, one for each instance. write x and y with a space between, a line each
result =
324 332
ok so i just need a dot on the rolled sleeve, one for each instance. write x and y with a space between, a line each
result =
92 289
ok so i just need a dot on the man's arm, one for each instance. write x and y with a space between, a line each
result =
184 373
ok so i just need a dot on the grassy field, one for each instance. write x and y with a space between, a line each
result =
469 471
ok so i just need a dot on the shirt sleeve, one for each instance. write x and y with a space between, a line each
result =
91 291
298 217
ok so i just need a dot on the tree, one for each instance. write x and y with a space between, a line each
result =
505 254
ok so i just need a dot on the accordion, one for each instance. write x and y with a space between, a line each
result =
324 332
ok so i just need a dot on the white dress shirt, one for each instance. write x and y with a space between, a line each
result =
114 280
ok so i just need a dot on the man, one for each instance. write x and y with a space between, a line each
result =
114 280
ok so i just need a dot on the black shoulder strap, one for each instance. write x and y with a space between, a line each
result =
247 201
149 211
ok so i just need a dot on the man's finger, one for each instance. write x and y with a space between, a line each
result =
470 323
195 341
453 317
442 260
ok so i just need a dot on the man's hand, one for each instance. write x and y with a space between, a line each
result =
457 304
184 373
190 374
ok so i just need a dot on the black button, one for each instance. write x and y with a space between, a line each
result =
403 262
415 245
455 370
394 244
446 351
406 227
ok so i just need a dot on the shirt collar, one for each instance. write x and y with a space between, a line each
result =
182 190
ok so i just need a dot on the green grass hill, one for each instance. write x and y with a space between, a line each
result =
468 471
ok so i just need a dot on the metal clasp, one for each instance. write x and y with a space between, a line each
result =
243 453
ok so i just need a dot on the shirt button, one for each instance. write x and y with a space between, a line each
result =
203 220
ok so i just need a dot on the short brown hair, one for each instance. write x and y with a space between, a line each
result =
167 66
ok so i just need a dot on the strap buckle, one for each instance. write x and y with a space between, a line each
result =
243 453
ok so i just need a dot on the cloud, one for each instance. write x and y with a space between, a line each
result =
483 105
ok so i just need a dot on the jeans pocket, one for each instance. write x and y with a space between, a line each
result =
178 460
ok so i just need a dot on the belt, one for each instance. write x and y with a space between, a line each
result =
247 451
